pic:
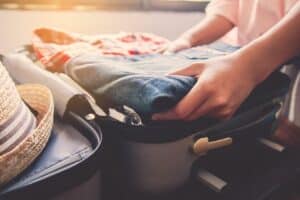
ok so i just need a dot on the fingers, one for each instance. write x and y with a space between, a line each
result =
188 109
223 114
191 101
214 106
215 112
192 70
168 115
171 49
186 106
167 52
208 107
178 45
162 49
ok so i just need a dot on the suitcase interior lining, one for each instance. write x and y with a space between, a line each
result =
66 146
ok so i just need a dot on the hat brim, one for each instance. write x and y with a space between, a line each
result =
40 99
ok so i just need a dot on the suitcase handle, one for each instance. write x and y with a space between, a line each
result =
203 145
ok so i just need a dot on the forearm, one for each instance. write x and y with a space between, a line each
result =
208 30
275 47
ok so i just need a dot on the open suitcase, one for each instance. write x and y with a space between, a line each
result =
136 162
68 168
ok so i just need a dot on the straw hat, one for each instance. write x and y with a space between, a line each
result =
23 134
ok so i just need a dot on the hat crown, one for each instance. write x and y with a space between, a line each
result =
9 96
16 121
23 135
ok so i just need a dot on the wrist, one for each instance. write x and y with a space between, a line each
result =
257 59
247 68
187 38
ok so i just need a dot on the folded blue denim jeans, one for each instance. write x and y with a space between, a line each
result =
139 82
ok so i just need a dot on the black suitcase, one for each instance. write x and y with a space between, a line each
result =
127 171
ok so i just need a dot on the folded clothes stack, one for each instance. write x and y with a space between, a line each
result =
54 47
122 69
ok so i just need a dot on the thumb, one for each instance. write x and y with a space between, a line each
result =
192 70
168 52
171 49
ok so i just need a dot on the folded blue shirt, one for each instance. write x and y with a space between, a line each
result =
139 82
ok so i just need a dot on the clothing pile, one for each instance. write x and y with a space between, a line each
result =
122 69
53 47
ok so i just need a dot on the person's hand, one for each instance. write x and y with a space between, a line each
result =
223 84
178 45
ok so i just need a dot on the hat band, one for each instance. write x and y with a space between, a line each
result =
15 129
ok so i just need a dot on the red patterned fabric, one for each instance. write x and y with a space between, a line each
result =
53 47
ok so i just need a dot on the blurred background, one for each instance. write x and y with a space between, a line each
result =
167 18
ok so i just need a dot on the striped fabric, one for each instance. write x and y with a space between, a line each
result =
23 135
16 128
54 48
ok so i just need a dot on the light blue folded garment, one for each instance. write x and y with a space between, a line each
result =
139 82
